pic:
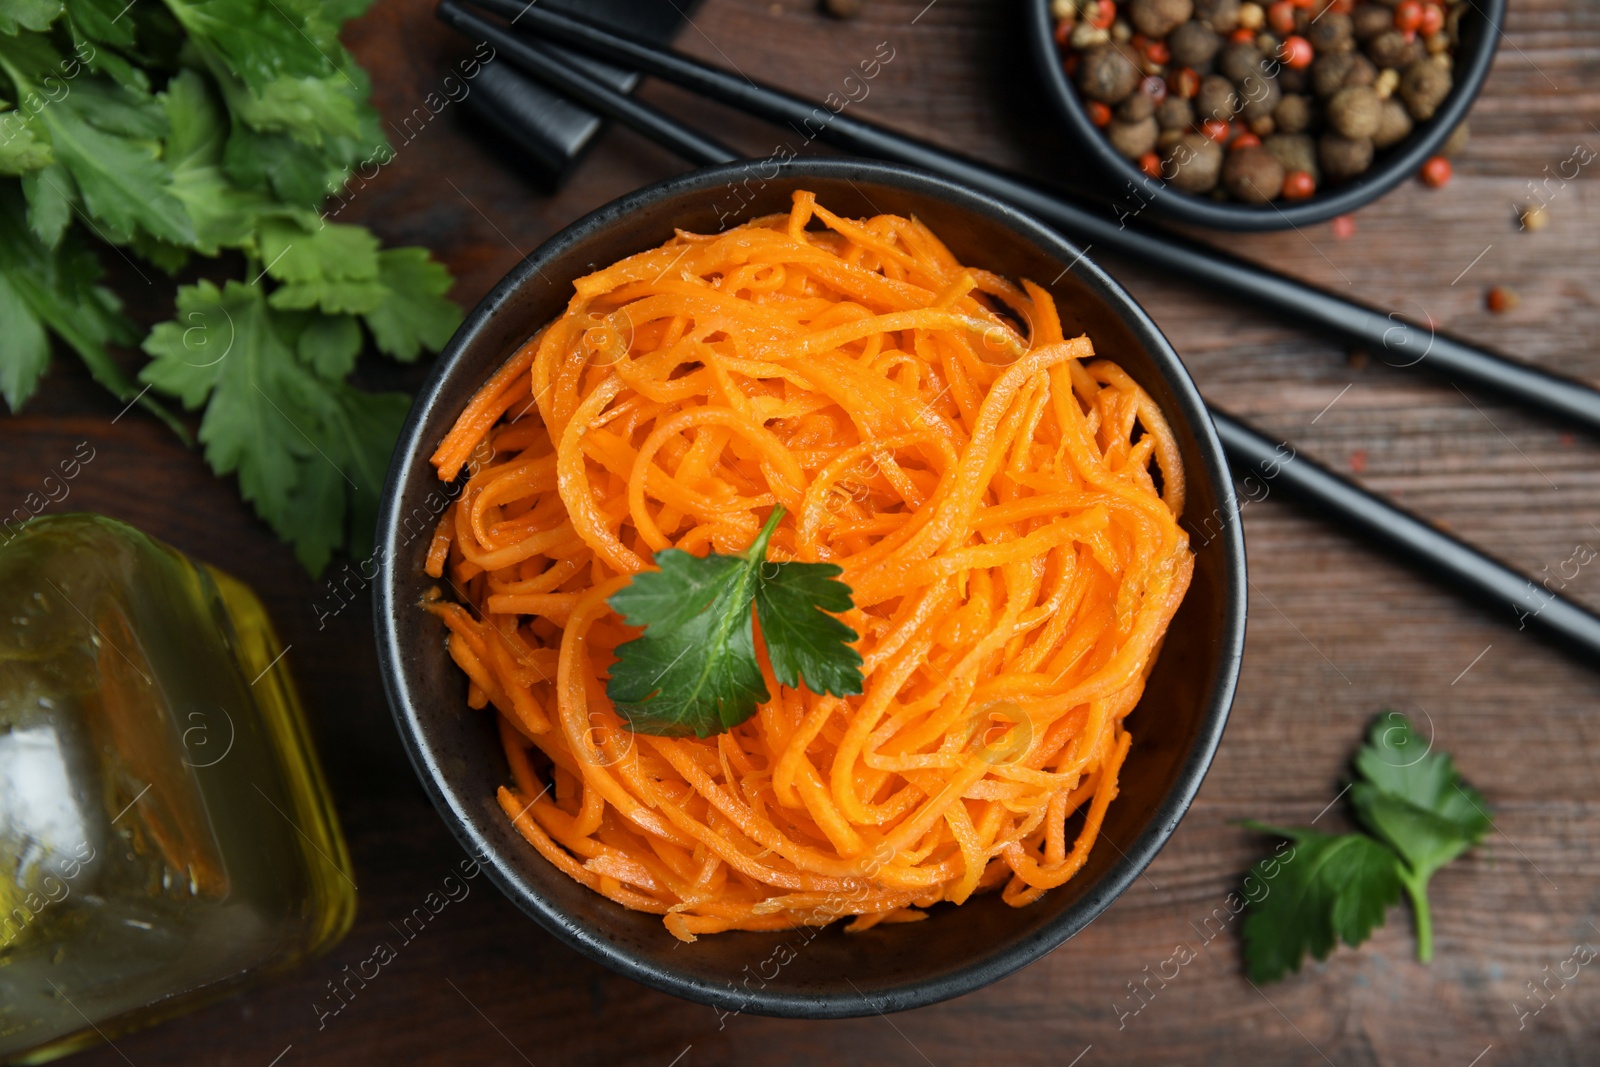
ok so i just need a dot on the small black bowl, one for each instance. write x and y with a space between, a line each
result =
807 973
1480 35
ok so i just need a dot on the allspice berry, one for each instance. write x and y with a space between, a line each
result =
1328 74
1260 97
1369 20
1194 44
1296 151
1343 157
1252 175
1157 18
844 9
1355 111
1391 49
1293 114
1220 15
1194 163
1331 33
1238 60
1394 123
1133 139
1137 107
1216 99
1174 113
1107 74
1423 87
1361 72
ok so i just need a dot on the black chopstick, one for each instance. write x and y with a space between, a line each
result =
1464 568
1398 342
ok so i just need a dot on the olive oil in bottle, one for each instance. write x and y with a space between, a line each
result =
165 832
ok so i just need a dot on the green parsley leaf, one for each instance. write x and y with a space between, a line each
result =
58 287
807 646
296 173
1414 800
106 136
1332 888
313 254
310 453
102 21
323 265
24 346
414 313
21 149
51 195
222 351
261 42
261 113
694 669
1420 816
329 345
18 15
224 215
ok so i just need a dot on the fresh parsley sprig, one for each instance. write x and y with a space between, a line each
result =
1419 815
170 129
694 669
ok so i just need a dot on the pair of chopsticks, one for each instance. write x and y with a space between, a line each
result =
1464 568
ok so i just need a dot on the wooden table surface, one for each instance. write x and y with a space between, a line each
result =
1336 631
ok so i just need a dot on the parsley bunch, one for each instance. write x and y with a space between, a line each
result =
1419 815
168 129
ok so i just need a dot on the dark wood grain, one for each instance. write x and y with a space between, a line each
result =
1336 632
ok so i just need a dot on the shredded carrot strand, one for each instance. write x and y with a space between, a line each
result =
1003 504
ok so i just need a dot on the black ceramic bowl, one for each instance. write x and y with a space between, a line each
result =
1176 727
1124 181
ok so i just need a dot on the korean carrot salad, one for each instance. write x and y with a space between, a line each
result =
957 526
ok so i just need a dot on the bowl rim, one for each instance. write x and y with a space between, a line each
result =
1178 206
461 813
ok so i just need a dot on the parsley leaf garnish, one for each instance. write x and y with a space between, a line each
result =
1336 887
694 669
